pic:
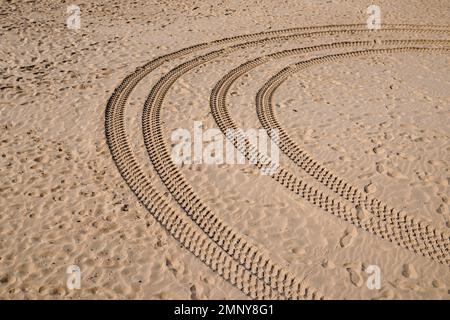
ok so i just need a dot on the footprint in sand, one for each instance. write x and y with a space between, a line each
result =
437 284
348 237
409 271
327 264
380 167
379 150
393 173
193 290
386 294
441 181
362 213
370 188
406 156
442 209
437 163
355 277
354 271
404 284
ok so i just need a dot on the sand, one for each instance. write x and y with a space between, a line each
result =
87 178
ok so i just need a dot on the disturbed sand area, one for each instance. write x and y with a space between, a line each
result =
379 122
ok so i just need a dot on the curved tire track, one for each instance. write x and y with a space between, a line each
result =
200 231
386 222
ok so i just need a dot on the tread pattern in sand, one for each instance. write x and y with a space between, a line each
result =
198 228
386 222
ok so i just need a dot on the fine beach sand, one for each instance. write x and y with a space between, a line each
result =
364 175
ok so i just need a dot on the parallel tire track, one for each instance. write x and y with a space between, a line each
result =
390 224
408 232
200 231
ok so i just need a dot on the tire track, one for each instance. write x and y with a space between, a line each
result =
222 249
409 232
393 225
164 213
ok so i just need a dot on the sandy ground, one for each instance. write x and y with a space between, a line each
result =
380 122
